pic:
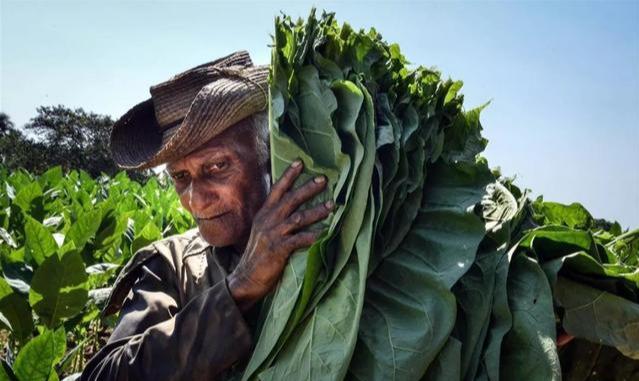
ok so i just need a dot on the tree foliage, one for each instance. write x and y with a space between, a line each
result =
58 136
18 151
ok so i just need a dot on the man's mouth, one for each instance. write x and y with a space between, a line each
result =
211 218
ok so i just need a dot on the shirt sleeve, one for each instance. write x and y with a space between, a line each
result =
157 340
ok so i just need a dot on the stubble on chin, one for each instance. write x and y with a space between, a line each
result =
219 232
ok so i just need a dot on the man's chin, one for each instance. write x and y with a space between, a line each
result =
216 238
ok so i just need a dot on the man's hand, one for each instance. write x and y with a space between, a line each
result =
275 235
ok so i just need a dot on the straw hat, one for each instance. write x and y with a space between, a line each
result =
188 110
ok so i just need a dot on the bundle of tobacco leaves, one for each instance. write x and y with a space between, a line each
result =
432 266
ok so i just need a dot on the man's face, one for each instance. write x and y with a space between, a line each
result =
222 186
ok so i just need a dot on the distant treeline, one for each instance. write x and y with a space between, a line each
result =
58 135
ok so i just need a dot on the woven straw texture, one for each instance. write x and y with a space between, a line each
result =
188 110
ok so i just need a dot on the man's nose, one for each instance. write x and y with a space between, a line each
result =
201 196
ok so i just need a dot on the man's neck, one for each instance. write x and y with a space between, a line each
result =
238 249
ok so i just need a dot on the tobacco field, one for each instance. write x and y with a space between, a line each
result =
63 236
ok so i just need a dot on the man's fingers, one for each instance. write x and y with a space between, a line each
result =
293 199
301 219
300 240
285 182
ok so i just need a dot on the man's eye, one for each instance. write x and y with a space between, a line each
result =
178 176
218 166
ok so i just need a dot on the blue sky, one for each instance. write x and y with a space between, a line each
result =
563 77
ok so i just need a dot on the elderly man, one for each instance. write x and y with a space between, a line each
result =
188 303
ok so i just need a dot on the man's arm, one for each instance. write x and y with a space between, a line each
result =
155 341
279 229
208 335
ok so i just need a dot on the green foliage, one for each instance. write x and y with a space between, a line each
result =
408 294
431 267
17 150
36 359
58 288
15 312
59 136
63 238
587 361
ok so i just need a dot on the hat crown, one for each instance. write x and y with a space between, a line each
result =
172 98
188 110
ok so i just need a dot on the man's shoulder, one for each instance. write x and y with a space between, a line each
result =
172 249
169 250
180 242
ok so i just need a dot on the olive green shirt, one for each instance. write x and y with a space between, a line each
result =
178 320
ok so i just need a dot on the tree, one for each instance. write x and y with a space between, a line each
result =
75 139
70 138
6 124
17 151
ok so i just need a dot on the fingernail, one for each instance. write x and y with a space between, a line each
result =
329 204
297 163
319 179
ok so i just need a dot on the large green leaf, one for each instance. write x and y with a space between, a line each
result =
500 323
306 133
39 242
323 343
17 271
58 290
463 140
483 316
52 177
408 296
475 293
529 351
572 216
36 360
362 143
149 234
112 227
84 228
599 316
29 199
15 312
447 364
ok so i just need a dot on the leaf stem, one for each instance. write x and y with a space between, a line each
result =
627 236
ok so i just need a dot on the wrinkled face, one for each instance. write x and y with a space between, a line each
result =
222 186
